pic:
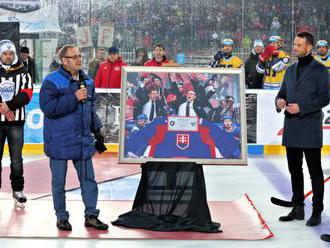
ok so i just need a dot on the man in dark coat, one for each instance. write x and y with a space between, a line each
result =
303 94
253 79
28 63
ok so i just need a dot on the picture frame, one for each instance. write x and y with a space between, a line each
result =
178 114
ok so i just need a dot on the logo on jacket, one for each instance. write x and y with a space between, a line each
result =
182 141
7 90
117 68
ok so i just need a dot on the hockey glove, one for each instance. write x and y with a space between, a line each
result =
265 55
217 57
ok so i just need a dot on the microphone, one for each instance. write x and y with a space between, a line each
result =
82 86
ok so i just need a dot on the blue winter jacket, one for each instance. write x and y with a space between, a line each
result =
68 124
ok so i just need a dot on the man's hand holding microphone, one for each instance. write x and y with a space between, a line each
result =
81 93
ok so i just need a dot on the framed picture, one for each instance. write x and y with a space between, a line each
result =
183 115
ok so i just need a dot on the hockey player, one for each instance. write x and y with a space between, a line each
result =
273 63
229 127
225 58
141 121
235 132
322 53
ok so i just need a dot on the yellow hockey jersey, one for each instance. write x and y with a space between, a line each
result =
231 62
325 62
273 78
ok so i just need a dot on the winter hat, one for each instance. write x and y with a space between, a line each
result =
258 42
25 49
7 45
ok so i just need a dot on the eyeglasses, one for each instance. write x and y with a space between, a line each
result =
75 57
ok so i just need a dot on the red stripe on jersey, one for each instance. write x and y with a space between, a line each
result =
207 139
161 131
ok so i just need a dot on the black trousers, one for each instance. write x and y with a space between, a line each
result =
295 162
15 138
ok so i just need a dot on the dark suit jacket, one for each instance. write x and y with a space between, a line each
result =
198 108
311 92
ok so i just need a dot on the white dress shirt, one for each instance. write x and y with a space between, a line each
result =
182 109
147 109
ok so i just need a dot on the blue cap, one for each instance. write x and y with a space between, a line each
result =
113 50
142 117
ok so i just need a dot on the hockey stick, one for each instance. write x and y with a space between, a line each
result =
280 202
288 204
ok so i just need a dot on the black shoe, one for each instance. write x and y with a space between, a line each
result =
325 237
64 225
93 221
314 220
297 213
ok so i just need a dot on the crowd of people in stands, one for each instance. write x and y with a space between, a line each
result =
194 26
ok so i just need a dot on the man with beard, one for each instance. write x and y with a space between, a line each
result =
16 90
322 53
225 57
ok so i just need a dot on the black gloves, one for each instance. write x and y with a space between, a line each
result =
218 56
99 143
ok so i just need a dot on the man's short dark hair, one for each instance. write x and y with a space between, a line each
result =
307 36
152 88
158 45
64 50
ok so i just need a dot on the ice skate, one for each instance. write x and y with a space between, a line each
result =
19 199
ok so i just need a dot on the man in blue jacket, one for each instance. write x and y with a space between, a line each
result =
67 101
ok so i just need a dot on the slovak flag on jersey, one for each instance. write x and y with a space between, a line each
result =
182 141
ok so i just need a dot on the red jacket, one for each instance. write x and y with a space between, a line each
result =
153 62
109 74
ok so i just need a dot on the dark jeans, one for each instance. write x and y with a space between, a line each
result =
15 138
313 159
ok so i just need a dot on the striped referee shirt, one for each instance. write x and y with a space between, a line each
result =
16 88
